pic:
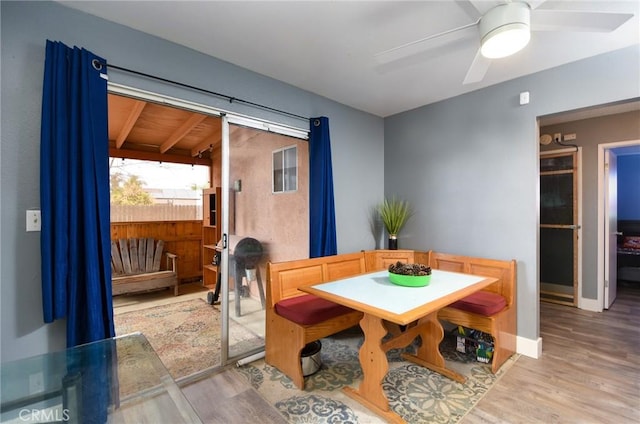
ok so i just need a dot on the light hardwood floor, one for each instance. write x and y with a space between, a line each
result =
227 398
589 372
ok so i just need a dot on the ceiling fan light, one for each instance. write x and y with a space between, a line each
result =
505 41
504 30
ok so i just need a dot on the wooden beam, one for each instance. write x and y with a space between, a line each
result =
137 154
183 130
206 144
134 114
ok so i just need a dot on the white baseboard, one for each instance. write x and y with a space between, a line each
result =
592 305
529 347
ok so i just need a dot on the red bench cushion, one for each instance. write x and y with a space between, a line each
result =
482 303
308 309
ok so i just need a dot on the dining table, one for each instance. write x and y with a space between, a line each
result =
404 312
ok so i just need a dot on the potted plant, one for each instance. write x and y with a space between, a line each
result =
394 214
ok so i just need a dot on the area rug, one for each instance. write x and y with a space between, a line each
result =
185 335
415 393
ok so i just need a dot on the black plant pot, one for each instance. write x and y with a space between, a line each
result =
393 243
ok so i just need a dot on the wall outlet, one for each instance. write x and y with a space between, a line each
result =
33 220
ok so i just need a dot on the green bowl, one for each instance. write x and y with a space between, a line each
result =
410 280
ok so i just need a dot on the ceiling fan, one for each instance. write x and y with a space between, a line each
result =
504 29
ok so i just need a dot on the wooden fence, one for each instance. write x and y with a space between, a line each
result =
160 212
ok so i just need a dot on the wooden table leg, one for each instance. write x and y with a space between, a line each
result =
373 361
428 354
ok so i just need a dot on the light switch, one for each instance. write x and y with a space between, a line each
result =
33 220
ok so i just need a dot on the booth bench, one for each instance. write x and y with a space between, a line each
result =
491 310
295 318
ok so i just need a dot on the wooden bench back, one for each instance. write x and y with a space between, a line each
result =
136 256
284 278
505 271
378 260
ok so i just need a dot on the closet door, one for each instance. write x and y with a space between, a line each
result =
559 228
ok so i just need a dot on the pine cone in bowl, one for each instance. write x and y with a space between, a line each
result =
409 269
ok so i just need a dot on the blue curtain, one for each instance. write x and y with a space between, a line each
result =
74 195
91 383
322 214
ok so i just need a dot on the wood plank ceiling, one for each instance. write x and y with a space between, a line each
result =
150 131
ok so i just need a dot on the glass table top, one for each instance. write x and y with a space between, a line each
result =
114 380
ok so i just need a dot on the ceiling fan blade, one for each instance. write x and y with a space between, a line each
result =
534 4
478 69
424 44
483 6
577 21
469 8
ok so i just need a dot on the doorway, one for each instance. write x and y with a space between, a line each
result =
196 138
608 234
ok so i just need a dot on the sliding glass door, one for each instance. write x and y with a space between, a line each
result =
265 195
257 206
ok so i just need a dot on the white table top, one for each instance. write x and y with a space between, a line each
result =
374 293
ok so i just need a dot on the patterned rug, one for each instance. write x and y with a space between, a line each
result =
185 335
415 393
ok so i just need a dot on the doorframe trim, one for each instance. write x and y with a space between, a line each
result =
234 117
599 301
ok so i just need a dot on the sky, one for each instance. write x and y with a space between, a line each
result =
162 175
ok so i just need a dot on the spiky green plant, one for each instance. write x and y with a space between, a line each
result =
394 214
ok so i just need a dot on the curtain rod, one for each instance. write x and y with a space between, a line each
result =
98 66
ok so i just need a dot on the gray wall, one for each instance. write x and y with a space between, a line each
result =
26 25
590 133
469 165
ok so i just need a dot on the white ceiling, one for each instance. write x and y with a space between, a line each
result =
328 47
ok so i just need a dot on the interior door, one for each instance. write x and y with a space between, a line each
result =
559 228
611 228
